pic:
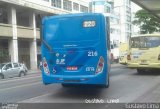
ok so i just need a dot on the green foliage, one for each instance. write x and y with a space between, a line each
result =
147 22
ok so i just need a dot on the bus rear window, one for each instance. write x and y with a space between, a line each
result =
75 29
145 42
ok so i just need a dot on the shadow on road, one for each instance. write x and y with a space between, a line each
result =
80 92
149 73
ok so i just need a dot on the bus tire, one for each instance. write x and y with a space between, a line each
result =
66 85
140 71
107 83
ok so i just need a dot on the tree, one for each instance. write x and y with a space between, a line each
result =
147 22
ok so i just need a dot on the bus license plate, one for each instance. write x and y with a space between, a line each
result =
72 68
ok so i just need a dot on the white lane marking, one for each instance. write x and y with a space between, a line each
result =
19 86
38 99
18 79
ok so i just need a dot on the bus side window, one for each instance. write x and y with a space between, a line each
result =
108 33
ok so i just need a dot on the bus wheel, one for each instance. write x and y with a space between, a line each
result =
140 71
107 83
66 85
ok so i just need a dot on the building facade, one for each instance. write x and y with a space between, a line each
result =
107 8
20 23
120 12
134 9
124 8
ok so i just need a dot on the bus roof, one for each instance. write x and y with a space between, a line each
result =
148 35
71 15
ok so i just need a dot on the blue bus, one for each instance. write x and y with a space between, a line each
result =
76 49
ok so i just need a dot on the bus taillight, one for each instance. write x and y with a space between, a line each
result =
100 65
45 66
129 57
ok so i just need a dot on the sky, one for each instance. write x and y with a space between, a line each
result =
135 7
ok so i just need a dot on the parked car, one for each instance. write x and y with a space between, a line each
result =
10 69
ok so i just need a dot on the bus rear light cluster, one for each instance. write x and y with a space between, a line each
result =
100 65
45 66
129 57
159 57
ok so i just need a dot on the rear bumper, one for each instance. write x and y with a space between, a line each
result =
137 65
123 62
87 79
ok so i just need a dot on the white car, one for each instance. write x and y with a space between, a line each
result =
11 69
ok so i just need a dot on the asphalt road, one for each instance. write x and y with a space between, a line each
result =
125 86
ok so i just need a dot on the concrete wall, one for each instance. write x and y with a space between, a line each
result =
6 30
